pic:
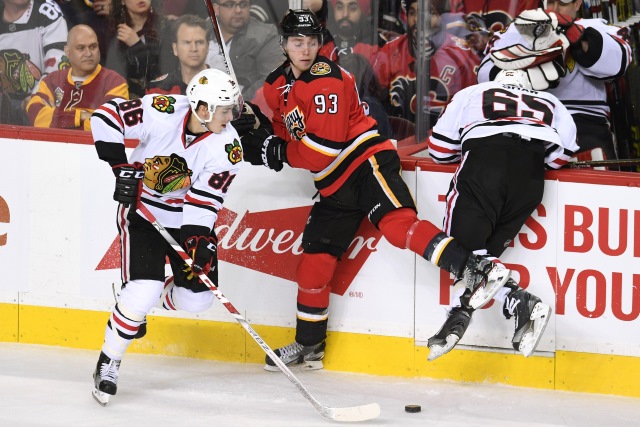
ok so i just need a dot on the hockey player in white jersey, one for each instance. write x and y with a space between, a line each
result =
594 53
181 170
504 134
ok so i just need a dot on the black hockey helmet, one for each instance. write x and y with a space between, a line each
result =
300 22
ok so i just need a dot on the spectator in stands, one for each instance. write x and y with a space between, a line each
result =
351 28
66 98
191 45
138 47
452 66
496 14
273 10
32 38
92 13
253 45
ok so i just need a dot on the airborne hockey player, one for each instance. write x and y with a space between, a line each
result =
504 134
181 170
320 125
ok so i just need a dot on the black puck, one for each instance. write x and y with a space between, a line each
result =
412 408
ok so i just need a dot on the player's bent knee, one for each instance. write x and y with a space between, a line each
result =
193 302
138 297
396 225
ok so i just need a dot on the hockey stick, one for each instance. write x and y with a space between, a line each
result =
221 44
350 414
595 163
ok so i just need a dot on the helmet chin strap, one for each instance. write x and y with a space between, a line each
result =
202 121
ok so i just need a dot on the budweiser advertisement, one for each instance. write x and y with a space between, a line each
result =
578 252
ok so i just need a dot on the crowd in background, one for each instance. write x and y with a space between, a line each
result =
60 59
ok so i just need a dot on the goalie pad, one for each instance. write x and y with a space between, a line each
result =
518 57
538 28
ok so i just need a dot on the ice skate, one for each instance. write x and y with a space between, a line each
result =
298 356
451 332
484 278
105 379
531 316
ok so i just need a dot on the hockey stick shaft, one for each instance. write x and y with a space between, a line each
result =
221 44
356 413
595 163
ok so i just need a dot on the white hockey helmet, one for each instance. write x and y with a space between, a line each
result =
214 88
518 78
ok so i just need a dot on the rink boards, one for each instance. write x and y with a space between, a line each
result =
579 252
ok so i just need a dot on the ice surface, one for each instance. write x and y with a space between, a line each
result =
51 386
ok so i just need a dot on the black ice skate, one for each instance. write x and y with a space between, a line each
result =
451 332
105 379
296 355
531 317
484 278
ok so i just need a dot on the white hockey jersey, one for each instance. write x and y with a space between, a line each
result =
582 90
31 47
492 108
186 177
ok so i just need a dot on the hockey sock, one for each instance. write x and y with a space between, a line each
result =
313 275
122 327
445 252
311 324
403 229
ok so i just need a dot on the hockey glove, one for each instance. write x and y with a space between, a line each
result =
202 247
128 183
567 26
261 148
246 122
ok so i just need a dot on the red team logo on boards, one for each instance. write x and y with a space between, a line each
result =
270 242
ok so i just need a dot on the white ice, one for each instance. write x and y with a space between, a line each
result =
51 386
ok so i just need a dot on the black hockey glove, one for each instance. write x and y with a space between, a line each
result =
250 119
261 148
202 247
128 183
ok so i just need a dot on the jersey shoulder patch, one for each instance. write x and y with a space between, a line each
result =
323 67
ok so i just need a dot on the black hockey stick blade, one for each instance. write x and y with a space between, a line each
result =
350 414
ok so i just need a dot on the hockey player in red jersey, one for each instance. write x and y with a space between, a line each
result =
319 124
181 171
495 14
504 134
452 62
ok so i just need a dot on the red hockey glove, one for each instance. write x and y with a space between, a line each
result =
128 183
568 27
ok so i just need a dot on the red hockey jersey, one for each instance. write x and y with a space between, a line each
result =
321 117
452 67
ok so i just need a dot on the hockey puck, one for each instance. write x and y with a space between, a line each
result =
412 408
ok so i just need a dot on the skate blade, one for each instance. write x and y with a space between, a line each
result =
309 365
436 351
540 317
497 278
100 397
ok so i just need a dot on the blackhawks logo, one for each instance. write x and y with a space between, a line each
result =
320 69
17 73
235 151
165 174
164 104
